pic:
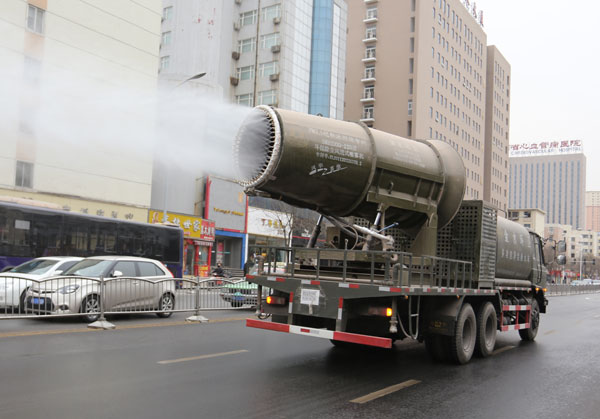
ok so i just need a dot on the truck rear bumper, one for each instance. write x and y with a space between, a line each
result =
321 333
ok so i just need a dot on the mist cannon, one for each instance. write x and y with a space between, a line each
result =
345 169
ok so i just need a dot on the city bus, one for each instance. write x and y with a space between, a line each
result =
28 232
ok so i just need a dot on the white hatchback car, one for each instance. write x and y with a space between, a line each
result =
129 284
14 282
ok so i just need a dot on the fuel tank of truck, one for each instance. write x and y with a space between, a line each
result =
347 169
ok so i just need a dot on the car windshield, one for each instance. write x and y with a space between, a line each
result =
89 267
34 267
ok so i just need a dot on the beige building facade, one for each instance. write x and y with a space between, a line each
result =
497 124
531 218
62 47
592 210
418 69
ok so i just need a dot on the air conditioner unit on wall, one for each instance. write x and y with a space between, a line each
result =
234 80
274 77
276 48
235 55
276 20
236 26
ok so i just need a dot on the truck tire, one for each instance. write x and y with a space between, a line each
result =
531 333
487 325
437 347
462 343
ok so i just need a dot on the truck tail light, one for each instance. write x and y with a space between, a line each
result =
388 312
275 301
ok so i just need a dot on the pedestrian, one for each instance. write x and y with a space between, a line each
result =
248 265
218 271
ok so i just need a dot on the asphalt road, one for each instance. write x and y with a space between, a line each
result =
59 369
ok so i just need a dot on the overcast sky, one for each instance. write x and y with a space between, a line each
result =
554 53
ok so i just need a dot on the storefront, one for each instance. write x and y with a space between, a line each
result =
267 229
226 203
198 242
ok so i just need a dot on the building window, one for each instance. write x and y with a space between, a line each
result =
248 18
166 38
164 62
35 19
410 107
245 73
412 24
167 13
368 112
370 72
267 41
271 12
24 175
371 32
372 13
370 52
411 65
369 92
246 45
245 100
410 86
266 69
268 97
412 44
409 129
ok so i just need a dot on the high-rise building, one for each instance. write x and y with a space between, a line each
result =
418 69
497 124
196 38
549 175
290 54
592 210
56 55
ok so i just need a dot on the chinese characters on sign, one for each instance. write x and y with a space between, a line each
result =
193 227
546 148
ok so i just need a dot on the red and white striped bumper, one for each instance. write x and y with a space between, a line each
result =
321 333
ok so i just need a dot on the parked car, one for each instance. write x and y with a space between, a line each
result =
15 281
240 293
130 284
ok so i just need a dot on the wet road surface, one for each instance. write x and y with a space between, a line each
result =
225 370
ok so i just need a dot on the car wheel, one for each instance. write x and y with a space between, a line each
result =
22 300
166 305
91 307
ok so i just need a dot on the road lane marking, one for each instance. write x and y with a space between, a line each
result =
384 391
503 349
195 358
131 326
549 332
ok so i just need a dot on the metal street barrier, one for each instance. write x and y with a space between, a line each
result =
564 289
92 298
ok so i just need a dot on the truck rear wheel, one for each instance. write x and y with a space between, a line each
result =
534 323
487 325
462 343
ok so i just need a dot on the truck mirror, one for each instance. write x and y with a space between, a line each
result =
561 246
561 259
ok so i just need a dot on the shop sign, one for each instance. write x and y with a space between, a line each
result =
193 227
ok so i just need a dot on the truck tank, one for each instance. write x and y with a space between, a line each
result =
342 168
514 251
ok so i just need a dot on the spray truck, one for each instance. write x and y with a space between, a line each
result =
404 257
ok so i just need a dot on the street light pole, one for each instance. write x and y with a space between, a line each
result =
166 184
